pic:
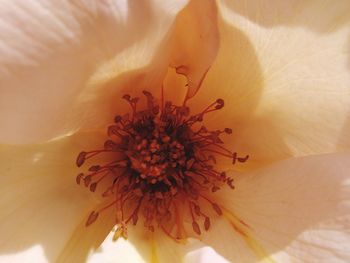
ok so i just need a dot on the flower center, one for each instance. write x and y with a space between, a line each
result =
164 172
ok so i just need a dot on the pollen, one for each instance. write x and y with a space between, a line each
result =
163 172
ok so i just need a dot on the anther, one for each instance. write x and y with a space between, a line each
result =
206 223
92 218
127 97
79 177
81 159
228 130
217 209
220 104
196 228
117 119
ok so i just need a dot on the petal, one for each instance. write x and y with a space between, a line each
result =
95 243
141 246
168 250
51 52
205 254
221 244
40 204
81 243
195 42
296 210
43 212
283 70
122 250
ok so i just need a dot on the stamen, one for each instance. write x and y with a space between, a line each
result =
166 163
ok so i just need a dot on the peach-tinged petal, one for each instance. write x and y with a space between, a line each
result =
195 41
283 70
40 204
297 210
50 50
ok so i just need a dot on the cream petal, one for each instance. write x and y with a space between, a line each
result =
283 70
204 254
51 52
141 246
297 210
34 254
40 204
120 251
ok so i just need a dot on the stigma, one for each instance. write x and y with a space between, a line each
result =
162 168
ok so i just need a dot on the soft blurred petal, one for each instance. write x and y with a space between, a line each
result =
283 70
296 210
49 51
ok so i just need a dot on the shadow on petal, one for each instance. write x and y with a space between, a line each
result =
322 17
287 107
236 77
295 210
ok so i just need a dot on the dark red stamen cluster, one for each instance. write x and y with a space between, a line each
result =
164 167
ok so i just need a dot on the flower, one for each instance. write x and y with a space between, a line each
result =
283 70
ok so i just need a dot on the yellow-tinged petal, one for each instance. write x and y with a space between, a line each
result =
283 70
49 52
297 210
